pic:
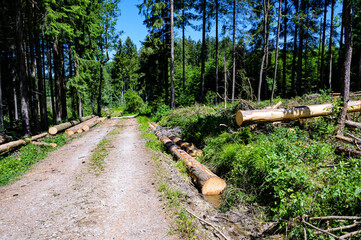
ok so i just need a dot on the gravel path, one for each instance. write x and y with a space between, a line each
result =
62 199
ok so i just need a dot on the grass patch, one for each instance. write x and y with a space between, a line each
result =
99 154
14 165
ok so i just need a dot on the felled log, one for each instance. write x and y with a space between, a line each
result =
91 124
5 138
11 145
78 127
353 124
44 144
55 129
37 137
346 139
189 148
272 115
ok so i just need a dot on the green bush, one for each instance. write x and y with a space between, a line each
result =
134 103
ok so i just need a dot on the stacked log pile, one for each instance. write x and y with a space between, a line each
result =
61 127
208 182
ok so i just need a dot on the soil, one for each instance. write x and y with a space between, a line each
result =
62 197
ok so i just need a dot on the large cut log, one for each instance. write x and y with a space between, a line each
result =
208 182
272 115
91 124
11 145
55 129
79 127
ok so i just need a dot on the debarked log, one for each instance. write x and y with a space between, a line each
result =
44 144
57 128
208 182
271 115
79 127
11 145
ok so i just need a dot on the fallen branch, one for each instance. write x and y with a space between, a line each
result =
353 124
336 218
351 152
339 228
208 223
319 229
350 234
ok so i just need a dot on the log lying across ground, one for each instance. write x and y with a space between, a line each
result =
208 182
353 124
78 128
272 115
37 137
44 144
55 129
11 145
188 147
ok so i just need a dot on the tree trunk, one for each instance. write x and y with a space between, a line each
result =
300 50
41 88
64 112
276 57
225 81
265 16
293 75
51 85
284 88
16 111
203 52
20 56
271 115
183 48
172 103
99 99
330 44
217 9
1 104
33 89
347 22
58 81
234 51
322 83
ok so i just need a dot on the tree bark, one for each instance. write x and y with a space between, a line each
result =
265 16
271 115
58 81
41 88
1 104
64 112
51 85
330 44
203 52
172 103
225 81
347 22
183 48
234 51
217 40
300 50
322 83
293 75
284 88
20 56
276 57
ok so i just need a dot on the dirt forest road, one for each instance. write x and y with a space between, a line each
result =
62 198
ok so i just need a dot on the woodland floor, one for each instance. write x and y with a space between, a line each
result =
63 198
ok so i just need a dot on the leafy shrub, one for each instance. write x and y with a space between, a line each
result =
134 103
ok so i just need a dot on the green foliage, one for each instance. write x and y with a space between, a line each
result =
17 163
98 157
134 103
162 110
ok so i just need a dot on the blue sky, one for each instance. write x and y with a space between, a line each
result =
131 23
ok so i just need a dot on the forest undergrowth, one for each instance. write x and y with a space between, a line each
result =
291 173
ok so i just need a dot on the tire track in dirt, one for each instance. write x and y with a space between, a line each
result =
61 199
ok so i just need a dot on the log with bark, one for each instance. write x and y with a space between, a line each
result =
188 147
11 145
353 124
79 127
37 137
272 115
91 124
5 138
208 182
61 127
